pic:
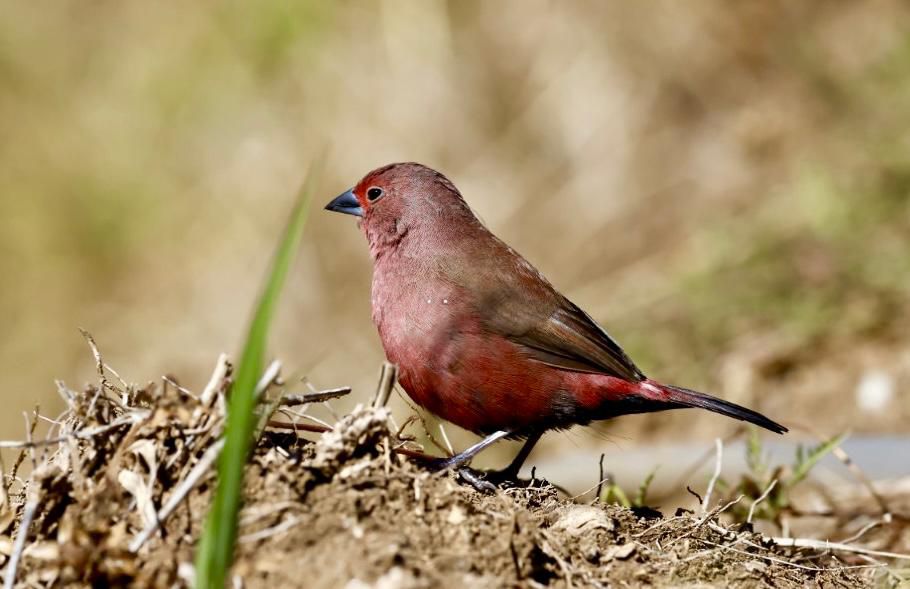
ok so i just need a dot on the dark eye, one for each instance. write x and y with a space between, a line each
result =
374 193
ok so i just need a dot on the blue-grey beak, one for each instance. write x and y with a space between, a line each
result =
346 203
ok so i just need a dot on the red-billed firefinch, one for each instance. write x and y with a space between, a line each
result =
480 338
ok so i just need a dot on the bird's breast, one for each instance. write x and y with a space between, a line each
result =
416 317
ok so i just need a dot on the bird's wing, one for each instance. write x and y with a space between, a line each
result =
513 300
568 338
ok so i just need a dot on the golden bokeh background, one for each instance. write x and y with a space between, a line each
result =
725 186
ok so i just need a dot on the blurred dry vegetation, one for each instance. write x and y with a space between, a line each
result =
725 186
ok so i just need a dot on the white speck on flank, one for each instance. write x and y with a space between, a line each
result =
445 301
429 301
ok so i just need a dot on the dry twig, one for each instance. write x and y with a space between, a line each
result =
788 563
215 381
28 514
318 397
718 463
129 419
838 546
759 499
387 379
100 366
600 479
272 531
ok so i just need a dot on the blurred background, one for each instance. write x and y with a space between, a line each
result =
725 186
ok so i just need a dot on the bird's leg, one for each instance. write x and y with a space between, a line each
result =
463 458
511 471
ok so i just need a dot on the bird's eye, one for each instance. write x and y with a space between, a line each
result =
374 193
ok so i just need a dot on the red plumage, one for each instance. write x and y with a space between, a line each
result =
480 338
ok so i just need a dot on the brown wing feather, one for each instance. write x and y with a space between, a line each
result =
522 306
570 339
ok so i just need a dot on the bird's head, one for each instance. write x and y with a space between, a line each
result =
396 199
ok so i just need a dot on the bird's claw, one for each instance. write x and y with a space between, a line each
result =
476 480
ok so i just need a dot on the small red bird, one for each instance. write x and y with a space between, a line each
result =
480 338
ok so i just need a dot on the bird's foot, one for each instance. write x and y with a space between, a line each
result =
488 481
483 481
476 479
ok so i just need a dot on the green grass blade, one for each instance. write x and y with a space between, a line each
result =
806 462
642 496
216 547
615 494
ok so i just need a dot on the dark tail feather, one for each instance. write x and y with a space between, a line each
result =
690 398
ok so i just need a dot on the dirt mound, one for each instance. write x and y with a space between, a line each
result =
120 487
